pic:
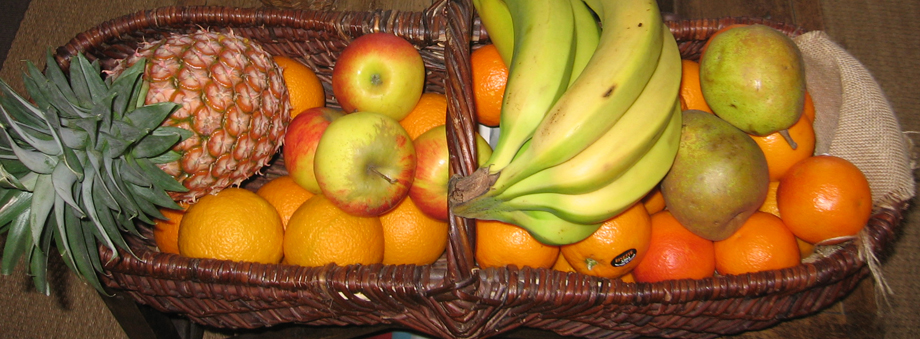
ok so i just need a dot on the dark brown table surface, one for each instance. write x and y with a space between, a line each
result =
852 317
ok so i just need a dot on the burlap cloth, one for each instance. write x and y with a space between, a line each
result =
854 120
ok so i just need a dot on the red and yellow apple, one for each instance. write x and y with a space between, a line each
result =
429 188
365 163
300 141
379 72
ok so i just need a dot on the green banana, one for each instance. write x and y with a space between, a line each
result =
538 74
496 19
614 198
587 36
625 58
623 144
547 228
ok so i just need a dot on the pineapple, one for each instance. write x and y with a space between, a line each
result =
233 98
91 155
77 167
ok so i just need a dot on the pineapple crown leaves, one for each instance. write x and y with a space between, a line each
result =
78 165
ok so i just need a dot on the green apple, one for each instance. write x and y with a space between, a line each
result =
364 163
379 72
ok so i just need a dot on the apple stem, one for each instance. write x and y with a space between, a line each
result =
785 134
385 177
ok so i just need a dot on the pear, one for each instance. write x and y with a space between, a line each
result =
719 177
753 77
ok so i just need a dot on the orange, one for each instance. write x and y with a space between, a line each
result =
674 252
769 204
562 264
319 233
615 248
824 199
490 74
762 243
412 237
809 109
500 244
166 232
723 29
285 195
234 224
805 248
691 95
628 277
779 152
654 201
430 111
304 87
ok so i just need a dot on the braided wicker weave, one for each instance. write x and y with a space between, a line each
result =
451 298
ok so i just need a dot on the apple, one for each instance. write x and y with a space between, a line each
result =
300 141
379 72
432 173
365 163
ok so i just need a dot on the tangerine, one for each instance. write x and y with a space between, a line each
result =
615 248
628 277
285 195
824 199
429 112
234 224
674 252
762 243
166 231
319 233
490 75
691 94
808 110
305 90
562 264
769 204
654 201
412 237
500 244
779 152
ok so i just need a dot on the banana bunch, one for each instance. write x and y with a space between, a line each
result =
585 132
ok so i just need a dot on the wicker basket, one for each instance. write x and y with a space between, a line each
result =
451 298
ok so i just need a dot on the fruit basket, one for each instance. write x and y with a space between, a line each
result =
452 297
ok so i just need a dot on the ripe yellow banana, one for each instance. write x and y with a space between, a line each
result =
625 58
623 144
614 198
497 21
538 74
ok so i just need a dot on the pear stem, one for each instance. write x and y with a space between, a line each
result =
785 134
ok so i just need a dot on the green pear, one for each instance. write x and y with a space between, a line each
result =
719 177
753 77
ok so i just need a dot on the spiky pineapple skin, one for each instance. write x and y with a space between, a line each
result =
233 98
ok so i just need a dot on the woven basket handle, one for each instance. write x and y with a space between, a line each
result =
461 138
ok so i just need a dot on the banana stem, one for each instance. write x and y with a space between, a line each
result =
470 196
